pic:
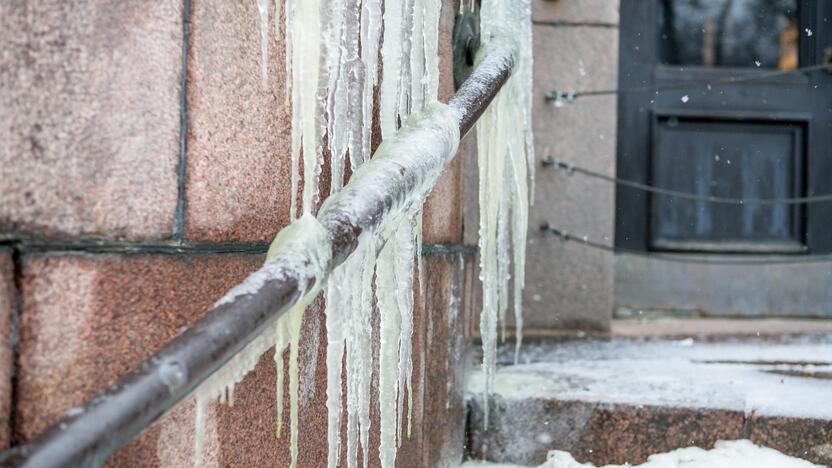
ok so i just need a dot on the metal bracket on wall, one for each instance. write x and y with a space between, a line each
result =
559 98
466 40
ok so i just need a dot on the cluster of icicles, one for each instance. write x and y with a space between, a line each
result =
332 68
506 180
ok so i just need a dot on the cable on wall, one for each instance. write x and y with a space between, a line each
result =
560 97
570 169
693 258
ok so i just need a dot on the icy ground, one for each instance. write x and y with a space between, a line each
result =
726 454
786 378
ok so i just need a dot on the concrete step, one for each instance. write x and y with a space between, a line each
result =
619 400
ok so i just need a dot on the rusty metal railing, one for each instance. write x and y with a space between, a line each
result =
89 435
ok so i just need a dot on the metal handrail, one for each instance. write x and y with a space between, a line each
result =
88 436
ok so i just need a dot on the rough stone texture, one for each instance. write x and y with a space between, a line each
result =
238 160
443 208
568 285
90 120
238 175
8 303
728 290
713 329
123 308
810 439
444 428
576 11
618 401
571 58
470 189
87 319
523 432
246 430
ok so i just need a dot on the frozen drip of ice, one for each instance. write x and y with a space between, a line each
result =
301 250
506 175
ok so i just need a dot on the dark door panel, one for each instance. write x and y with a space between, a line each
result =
749 160
676 108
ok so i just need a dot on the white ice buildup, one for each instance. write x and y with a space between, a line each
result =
426 136
334 63
303 252
336 60
506 173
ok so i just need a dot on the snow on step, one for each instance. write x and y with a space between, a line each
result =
622 400
726 454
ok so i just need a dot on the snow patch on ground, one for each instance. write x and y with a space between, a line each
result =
726 454
746 377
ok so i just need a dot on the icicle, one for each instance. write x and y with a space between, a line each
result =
332 51
279 366
409 82
337 93
301 248
506 167
391 81
304 46
349 298
199 430
335 327
408 18
389 334
263 14
289 11
417 56
433 10
370 41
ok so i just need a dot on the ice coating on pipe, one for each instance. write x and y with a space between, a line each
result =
302 250
506 172
332 50
411 161
409 82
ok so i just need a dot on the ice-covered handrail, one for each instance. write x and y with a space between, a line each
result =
87 436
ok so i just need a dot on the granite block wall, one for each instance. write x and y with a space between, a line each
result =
145 173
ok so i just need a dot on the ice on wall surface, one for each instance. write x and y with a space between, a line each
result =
263 18
506 174
332 50
409 84
302 249
350 293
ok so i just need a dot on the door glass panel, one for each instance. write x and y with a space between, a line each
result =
741 160
729 33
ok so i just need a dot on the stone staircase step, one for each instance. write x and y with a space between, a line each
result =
620 400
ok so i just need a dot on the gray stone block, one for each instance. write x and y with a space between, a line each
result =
577 11
727 290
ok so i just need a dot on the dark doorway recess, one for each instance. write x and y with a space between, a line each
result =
684 126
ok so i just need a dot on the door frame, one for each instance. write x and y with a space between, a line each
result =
639 67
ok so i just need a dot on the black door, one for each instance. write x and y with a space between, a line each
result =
714 102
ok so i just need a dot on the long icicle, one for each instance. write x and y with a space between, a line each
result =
332 65
506 167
